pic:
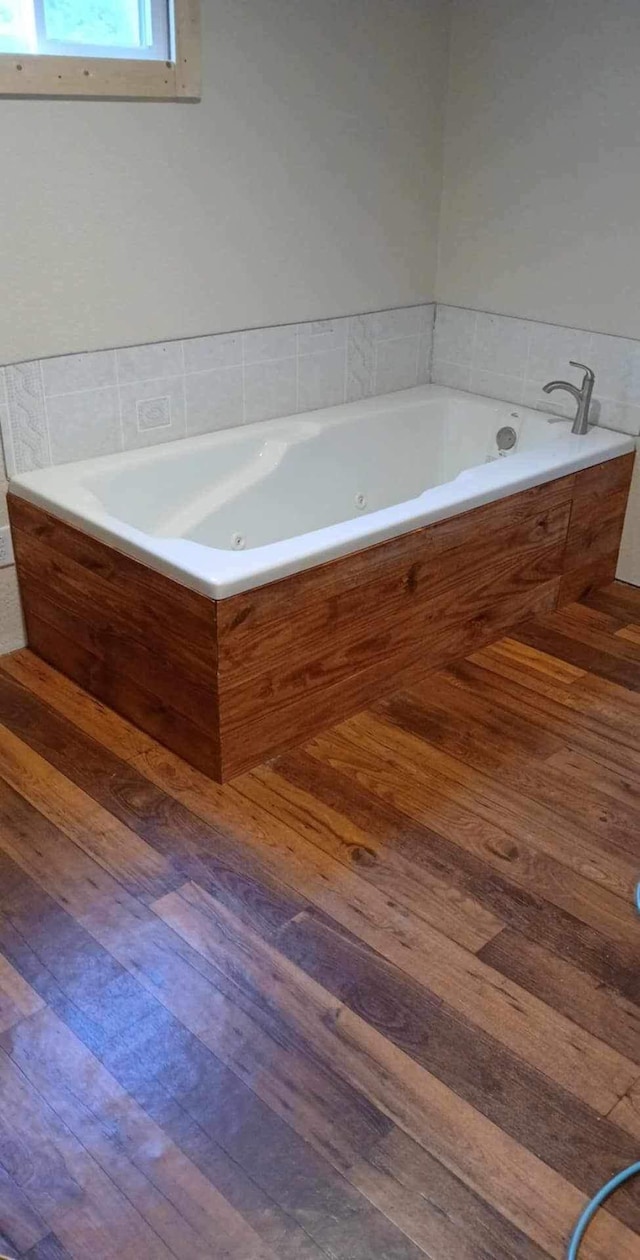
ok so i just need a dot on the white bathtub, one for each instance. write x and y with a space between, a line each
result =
234 510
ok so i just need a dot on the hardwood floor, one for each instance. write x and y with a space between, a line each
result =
376 1000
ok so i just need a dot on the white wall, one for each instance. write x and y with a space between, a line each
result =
305 184
540 210
541 189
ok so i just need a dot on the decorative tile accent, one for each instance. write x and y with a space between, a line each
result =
425 350
152 412
28 444
214 400
148 363
270 390
4 515
73 372
361 359
83 425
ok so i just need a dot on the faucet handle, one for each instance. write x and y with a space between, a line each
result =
589 374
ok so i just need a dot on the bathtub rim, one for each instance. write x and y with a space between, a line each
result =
59 491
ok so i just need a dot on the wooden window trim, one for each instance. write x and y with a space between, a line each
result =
113 78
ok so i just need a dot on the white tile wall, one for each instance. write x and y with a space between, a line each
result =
510 358
152 411
84 424
214 400
77 406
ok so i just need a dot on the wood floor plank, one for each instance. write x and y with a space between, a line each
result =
403 1175
114 846
63 1183
241 816
453 723
567 988
380 998
530 660
21 1228
620 600
527 799
156 817
486 1002
63 963
427 1110
429 799
588 771
507 1013
626 1113
50 1248
364 843
282 1070
631 633
17 998
619 666
329 1111
524 1103
175 1199
518 904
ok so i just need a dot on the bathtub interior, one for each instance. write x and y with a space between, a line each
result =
252 487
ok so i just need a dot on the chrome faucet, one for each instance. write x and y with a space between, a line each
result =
582 396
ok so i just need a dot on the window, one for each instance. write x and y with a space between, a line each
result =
96 47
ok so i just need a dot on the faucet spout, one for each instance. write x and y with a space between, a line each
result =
582 396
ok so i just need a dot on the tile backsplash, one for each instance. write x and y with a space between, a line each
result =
54 411
509 358
71 408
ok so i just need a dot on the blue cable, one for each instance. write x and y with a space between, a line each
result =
599 1198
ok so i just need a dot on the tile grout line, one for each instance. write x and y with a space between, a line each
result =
117 373
45 410
185 421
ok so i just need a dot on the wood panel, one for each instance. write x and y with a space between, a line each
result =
595 529
318 646
227 684
135 639
433 596
379 998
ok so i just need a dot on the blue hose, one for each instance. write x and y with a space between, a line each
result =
599 1198
592 1207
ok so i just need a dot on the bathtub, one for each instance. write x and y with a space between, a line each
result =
234 510
233 594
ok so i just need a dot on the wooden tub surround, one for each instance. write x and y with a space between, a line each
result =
227 684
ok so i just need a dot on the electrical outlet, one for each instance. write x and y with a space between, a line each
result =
6 547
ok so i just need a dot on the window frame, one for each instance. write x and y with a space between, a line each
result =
113 78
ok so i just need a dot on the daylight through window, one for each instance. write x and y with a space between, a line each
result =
128 29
